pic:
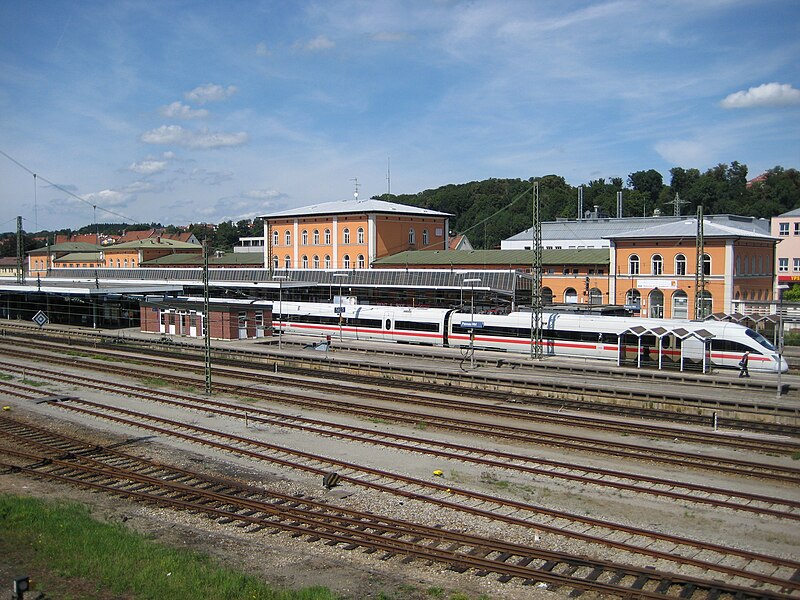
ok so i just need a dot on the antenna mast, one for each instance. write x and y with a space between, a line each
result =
355 194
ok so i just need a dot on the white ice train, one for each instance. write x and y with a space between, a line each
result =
564 334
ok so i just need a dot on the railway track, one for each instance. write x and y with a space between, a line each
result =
773 506
596 394
71 461
513 433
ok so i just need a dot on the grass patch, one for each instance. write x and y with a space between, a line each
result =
65 546
796 456
494 481
155 381
5 377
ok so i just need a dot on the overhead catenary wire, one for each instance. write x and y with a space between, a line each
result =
66 191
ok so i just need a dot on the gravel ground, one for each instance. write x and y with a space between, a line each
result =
291 562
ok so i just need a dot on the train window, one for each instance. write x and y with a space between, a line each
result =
732 346
760 339
365 323
415 326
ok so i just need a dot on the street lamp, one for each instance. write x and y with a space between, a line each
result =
280 279
472 283
780 289
341 276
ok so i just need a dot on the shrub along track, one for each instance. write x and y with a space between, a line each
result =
69 460
713 559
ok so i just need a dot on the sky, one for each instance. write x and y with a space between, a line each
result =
184 112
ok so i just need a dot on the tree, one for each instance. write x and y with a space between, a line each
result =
650 183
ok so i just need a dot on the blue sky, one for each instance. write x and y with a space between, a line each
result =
181 112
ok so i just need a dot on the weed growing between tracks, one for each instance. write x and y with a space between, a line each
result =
70 555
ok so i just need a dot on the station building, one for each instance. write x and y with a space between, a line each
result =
350 234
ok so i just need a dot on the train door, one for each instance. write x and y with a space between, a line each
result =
388 329
193 323
242 322
171 316
162 321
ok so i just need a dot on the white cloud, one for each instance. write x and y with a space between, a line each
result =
264 195
178 110
767 94
107 198
321 42
203 140
685 152
148 166
210 92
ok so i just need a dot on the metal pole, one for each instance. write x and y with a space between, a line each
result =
280 311
780 338
207 324
472 331
340 309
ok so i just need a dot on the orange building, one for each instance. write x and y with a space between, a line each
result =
655 268
67 255
133 254
350 234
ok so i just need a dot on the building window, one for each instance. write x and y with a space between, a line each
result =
316 261
425 238
680 265
633 265
412 237
305 237
657 265
346 261
360 235
118 263
783 265
705 305
570 296
287 237
796 264
761 265
680 305
633 300
287 262
275 238
316 237
797 228
328 237
275 262
783 228
738 269
305 261
360 261
707 264
346 236
126 263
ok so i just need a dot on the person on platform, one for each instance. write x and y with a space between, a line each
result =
743 365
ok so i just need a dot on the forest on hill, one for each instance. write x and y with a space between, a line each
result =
494 209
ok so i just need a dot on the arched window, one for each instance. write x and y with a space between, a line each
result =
412 237
327 261
275 262
425 238
547 295
328 237
680 265
346 236
656 301
287 237
126 263
305 237
118 263
705 305
657 265
570 296
680 305
633 301
316 237
305 261
346 261
287 262
133 262
316 261
360 261
275 238
633 265
360 235
707 264
595 296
